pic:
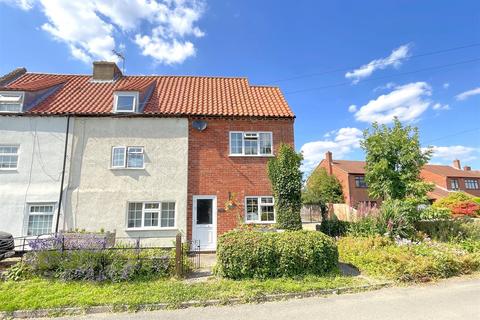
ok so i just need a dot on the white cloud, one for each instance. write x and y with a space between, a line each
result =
407 102
345 141
467 94
446 85
22 4
447 154
162 29
395 59
352 108
439 106
389 85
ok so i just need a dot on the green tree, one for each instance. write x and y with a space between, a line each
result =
286 179
321 189
394 159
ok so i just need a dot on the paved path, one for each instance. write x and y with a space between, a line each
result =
452 299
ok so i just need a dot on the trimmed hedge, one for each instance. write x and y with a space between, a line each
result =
334 228
261 255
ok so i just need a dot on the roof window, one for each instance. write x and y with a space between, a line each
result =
11 101
125 102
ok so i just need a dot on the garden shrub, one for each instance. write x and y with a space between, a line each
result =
367 226
460 203
432 213
381 257
253 254
118 264
466 208
334 227
450 229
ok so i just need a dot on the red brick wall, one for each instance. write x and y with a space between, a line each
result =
211 171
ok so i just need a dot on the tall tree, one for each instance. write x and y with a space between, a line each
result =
286 179
321 189
394 161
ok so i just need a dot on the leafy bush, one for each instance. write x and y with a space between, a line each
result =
252 254
452 199
286 179
17 272
381 257
397 217
466 208
450 229
334 228
367 226
432 213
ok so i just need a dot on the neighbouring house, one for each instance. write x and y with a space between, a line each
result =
144 156
351 175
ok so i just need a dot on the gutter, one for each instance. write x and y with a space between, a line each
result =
60 197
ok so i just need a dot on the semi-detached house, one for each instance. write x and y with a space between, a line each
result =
144 156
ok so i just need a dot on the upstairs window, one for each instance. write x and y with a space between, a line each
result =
360 182
259 210
471 184
251 144
127 158
8 157
125 102
11 101
454 184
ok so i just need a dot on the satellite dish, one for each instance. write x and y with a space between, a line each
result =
200 125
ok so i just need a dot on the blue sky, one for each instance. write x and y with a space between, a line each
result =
388 57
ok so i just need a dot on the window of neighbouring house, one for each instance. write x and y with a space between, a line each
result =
127 157
251 143
151 215
360 182
40 219
259 210
125 101
454 184
11 101
8 157
471 184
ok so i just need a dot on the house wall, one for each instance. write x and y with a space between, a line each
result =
358 194
213 172
461 186
98 195
41 142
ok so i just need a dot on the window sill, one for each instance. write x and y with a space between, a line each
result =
252 155
260 222
152 229
9 169
143 168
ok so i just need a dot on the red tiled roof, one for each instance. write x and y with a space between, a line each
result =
350 166
437 193
172 95
448 171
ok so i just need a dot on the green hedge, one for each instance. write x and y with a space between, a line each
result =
253 254
334 228
450 229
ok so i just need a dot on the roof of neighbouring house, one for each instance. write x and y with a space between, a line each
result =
438 193
170 96
448 171
358 167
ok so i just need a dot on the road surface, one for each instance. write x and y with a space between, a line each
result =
452 299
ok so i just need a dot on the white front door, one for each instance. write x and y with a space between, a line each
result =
204 222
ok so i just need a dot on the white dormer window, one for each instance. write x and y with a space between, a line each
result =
11 101
125 101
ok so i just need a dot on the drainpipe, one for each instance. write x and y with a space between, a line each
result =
60 197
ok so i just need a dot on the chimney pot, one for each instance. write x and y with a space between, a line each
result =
456 164
329 159
105 71
467 168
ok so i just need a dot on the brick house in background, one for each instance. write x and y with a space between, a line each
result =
351 175
146 156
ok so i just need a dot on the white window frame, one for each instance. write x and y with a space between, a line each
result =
159 210
244 133
259 200
133 94
125 157
474 183
11 154
13 93
33 204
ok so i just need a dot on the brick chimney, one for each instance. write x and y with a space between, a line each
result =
329 159
105 71
467 168
456 164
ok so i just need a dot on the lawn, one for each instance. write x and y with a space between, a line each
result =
42 294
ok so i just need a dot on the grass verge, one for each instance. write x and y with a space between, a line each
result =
43 294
